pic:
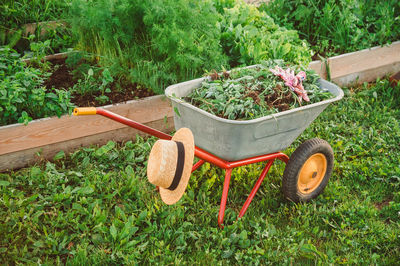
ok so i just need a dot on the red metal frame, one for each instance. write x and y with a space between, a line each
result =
208 157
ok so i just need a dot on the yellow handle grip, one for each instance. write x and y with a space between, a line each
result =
85 111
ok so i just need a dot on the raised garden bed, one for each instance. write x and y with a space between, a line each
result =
62 78
363 66
41 139
20 144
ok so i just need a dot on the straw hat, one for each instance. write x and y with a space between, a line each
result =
170 165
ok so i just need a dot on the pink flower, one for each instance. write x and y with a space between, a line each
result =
294 82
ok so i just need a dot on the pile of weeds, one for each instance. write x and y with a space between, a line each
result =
248 93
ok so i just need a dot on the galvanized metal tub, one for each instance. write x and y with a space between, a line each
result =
234 140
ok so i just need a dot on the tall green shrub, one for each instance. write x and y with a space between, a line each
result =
250 36
155 43
339 26
161 42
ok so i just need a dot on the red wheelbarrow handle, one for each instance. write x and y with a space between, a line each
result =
121 119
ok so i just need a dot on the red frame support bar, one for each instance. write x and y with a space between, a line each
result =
205 156
131 123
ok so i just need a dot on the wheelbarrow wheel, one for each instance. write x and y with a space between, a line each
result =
308 171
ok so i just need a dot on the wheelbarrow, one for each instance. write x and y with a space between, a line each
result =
229 144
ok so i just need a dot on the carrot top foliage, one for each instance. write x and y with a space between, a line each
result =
158 43
153 42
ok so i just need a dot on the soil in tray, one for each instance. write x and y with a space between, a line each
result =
279 99
62 78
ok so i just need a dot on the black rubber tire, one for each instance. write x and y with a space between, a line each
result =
297 160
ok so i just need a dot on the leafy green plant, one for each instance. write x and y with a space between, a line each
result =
91 79
60 38
220 5
15 13
250 36
94 82
248 93
180 41
168 41
22 94
38 53
339 26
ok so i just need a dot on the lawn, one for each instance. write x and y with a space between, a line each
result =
96 206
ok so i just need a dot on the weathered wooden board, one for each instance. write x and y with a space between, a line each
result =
70 132
50 57
22 158
44 27
364 60
362 66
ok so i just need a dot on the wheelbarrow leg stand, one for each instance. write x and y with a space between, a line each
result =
224 197
255 188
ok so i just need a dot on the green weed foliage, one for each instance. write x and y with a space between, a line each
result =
90 78
339 26
23 96
95 206
15 13
173 41
249 93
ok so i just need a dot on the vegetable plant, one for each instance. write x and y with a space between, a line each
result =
93 83
339 26
173 41
22 94
249 36
166 42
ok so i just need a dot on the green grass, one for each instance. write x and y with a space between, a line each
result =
96 206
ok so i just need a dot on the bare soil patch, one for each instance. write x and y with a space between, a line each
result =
62 78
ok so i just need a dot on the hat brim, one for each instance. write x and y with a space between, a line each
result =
185 136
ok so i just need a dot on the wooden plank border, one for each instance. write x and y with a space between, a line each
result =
45 27
50 57
19 144
363 66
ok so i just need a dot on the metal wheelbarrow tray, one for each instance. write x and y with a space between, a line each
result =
235 140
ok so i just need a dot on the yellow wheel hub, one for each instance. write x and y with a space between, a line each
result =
312 173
